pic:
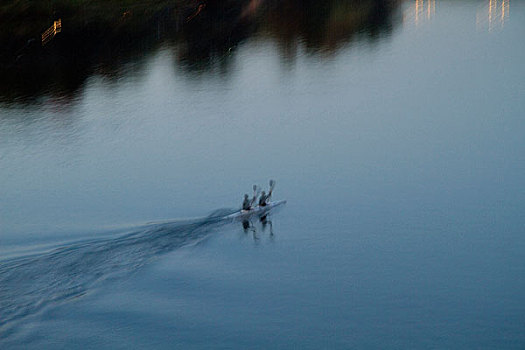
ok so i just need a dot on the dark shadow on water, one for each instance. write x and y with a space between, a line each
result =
266 224
258 226
99 37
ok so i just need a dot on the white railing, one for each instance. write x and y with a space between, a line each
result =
52 31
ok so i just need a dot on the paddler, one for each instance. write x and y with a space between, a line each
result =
246 204
265 198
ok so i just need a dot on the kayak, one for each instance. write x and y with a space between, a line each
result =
257 211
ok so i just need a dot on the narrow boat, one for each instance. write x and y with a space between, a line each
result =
258 211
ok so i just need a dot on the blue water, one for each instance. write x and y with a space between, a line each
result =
402 158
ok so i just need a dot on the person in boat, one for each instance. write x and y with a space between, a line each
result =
263 200
246 204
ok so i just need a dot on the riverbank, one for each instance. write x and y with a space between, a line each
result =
22 21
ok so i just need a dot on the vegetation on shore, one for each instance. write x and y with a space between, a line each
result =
22 20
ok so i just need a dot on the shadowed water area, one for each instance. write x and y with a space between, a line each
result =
99 38
394 130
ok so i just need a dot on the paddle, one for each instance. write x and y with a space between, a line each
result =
256 191
272 186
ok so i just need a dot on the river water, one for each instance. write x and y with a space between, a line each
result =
396 134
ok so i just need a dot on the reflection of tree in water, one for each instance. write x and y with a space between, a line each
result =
325 26
321 26
210 37
96 40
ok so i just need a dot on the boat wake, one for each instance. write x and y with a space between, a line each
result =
29 284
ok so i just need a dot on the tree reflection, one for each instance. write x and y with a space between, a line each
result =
325 26
99 37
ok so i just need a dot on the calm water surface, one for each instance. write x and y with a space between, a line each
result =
395 134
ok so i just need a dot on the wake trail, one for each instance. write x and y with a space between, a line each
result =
28 284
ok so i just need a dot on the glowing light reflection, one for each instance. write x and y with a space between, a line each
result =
493 15
419 12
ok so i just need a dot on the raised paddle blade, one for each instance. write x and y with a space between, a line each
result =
272 185
256 191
